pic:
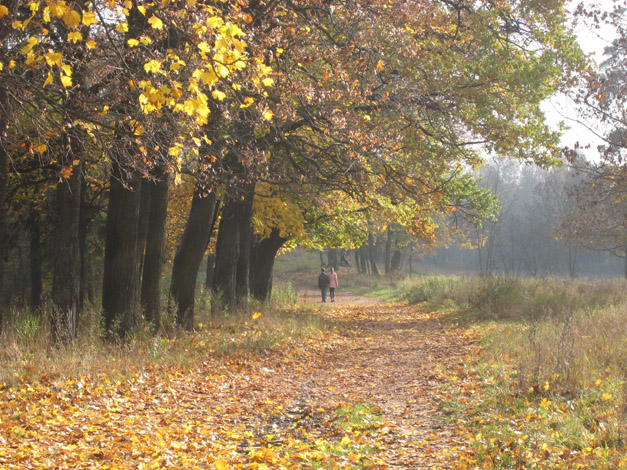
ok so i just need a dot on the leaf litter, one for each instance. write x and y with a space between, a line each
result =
356 396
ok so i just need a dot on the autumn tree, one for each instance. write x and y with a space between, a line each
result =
602 196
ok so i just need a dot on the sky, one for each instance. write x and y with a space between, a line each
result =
559 108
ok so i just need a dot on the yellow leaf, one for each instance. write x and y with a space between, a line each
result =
218 95
72 19
380 64
154 66
32 42
89 18
155 22
132 42
256 315
249 100
142 9
75 36
122 28
598 382
268 81
346 441
58 9
215 22
547 385
268 115
91 44
53 58
204 47
66 81
4 11
607 396
221 465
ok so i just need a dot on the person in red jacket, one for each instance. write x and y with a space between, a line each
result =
332 284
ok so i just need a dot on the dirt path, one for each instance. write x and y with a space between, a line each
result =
265 411
389 355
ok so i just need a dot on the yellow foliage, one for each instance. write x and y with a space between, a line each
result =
71 18
89 18
155 22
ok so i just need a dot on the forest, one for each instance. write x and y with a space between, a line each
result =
139 139
175 173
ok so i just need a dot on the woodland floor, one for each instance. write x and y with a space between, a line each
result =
273 410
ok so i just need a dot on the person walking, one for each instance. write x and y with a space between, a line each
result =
323 284
332 284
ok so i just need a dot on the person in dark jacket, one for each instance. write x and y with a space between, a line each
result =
323 284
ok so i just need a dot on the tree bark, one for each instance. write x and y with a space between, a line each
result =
395 263
155 249
189 256
357 261
227 251
66 255
373 263
120 296
211 262
332 257
83 226
36 260
388 248
363 258
142 222
242 277
4 175
263 254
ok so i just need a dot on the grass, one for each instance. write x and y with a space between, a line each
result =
547 387
27 354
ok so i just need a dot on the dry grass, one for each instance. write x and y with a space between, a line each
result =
27 352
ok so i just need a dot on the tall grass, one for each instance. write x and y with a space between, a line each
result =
564 332
27 352
549 377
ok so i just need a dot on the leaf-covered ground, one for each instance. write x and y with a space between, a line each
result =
356 396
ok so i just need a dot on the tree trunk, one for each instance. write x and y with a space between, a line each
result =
83 226
242 277
155 249
262 258
332 256
388 248
363 258
211 257
36 260
227 251
395 262
211 262
373 263
357 261
189 256
120 296
66 255
142 222
4 175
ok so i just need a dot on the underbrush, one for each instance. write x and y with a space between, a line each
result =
27 352
547 387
